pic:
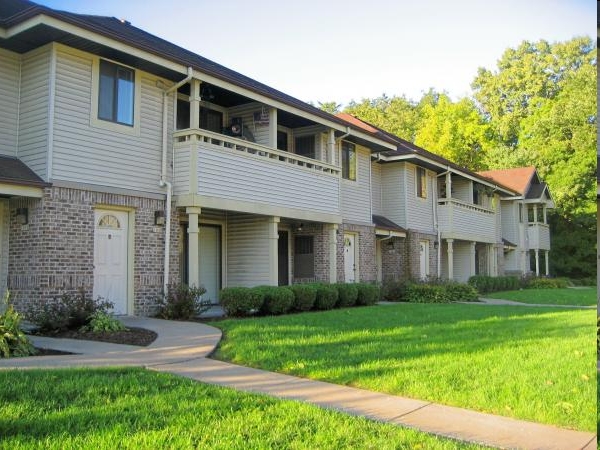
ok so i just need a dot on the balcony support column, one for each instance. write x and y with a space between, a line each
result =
333 231
450 258
547 260
535 215
472 268
195 103
448 186
331 146
193 213
537 262
545 213
273 233
273 128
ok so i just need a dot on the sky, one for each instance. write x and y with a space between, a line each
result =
343 50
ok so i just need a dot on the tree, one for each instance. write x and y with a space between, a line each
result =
330 107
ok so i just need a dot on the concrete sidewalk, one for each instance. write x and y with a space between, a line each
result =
182 349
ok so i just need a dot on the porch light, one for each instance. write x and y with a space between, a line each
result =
159 218
436 244
22 216
298 227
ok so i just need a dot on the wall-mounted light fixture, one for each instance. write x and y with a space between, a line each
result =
299 227
159 218
22 216
436 244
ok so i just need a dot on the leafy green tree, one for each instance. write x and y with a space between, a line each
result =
330 107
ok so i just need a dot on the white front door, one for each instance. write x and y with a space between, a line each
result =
424 259
209 243
110 258
350 258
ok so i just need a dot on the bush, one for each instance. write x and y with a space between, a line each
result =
277 299
461 292
101 321
241 301
182 302
584 281
426 293
546 283
327 296
304 296
347 294
368 294
486 283
68 312
13 342
394 291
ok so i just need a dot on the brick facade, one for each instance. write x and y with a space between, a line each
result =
320 235
54 252
367 261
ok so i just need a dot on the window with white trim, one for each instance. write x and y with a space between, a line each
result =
116 93
348 161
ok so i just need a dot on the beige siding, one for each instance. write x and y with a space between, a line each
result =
393 192
462 189
419 211
247 251
34 110
463 261
9 102
376 188
89 154
356 195
510 221
246 113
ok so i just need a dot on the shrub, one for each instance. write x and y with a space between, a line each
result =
394 291
277 299
101 321
13 342
426 293
546 283
461 292
241 301
368 294
182 302
304 296
327 296
486 283
347 294
68 312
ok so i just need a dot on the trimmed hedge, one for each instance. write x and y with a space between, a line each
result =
461 292
394 291
304 296
327 296
347 294
485 283
368 294
277 299
241 301
426 293
546 283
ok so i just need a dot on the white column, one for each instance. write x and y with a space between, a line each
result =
273 231
331 146
450 259
195 103
273 127
472 267
333 230
537 262
448 185
193 255
545 212
547 263
535 217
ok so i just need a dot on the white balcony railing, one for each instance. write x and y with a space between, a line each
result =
461 220
538 234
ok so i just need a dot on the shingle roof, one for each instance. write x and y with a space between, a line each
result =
518 179
386 224
14 171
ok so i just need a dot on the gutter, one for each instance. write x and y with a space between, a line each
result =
163 178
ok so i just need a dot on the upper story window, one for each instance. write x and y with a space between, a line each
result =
305 146
116 93
421 182
282 140
348 161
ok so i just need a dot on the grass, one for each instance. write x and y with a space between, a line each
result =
585 296
537 365
135 408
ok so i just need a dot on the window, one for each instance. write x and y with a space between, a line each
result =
116 93
211 120
282 140
304 258
348 161
421 182
521 212
305 146
183 114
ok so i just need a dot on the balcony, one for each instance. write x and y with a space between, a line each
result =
466 221
539 236
229 173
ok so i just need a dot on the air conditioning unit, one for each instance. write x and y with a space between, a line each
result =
236 128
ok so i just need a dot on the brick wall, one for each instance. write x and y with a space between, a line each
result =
413 253
54 252
367 262
321 250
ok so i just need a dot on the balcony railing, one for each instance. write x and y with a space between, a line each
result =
538 234
461 220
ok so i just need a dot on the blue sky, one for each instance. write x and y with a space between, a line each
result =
339 50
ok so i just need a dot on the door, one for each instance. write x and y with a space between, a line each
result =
350 258
111 257
283 258
424 259
209 242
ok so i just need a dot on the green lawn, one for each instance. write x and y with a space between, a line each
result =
135 408
567 296
533 364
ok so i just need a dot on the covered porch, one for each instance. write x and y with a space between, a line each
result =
462 259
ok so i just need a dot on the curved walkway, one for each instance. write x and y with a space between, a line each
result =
182 349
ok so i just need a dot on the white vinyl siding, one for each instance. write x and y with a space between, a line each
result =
246 113
34 110
356 195
393 193
376 188
9 102
87 154
247 251
462 261
462 189
419 211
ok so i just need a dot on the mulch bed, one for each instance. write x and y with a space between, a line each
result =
130 336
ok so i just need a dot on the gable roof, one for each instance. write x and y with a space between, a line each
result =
519 178
14 171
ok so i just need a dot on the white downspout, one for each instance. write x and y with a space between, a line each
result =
163 178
